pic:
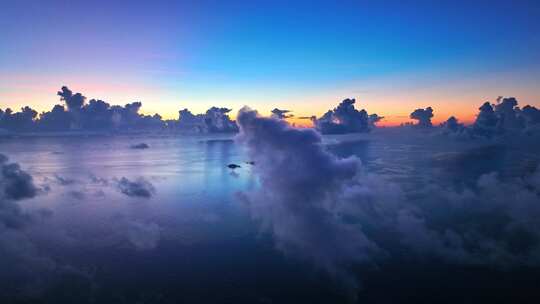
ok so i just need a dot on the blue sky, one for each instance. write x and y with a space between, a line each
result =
391 55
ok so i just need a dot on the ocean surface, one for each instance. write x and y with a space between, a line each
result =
188 237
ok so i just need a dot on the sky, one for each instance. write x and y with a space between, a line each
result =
306 56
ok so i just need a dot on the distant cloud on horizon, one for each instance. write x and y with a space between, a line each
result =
79 115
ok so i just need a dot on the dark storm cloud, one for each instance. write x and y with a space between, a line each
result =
423 116
343 119
137 188
281 114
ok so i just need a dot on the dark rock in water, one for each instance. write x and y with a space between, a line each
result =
140 146
233 166
250 163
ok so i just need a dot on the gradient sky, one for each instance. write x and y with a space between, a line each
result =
306 56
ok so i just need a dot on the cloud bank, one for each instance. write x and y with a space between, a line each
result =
215 120
493 120
331 212
76 114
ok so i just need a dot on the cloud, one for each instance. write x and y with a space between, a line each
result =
494 223
21 261
281 114
333 213
64 181
74 102
344 119
423 116
96 115
143 236
300 183
452 124
374 119
215 120
503 118
138 188
531 115
22 121
453 128
15 184
140 146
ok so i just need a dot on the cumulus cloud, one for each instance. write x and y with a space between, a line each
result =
423 116
453 124
452 127
74 102
499 119
300 183
374 119
531 115
137 188
344 119
18 121
78 115
15 184
215 120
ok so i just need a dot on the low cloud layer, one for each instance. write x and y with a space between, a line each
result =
333 213
20 260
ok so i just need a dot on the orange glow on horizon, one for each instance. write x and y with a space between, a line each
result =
39 92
